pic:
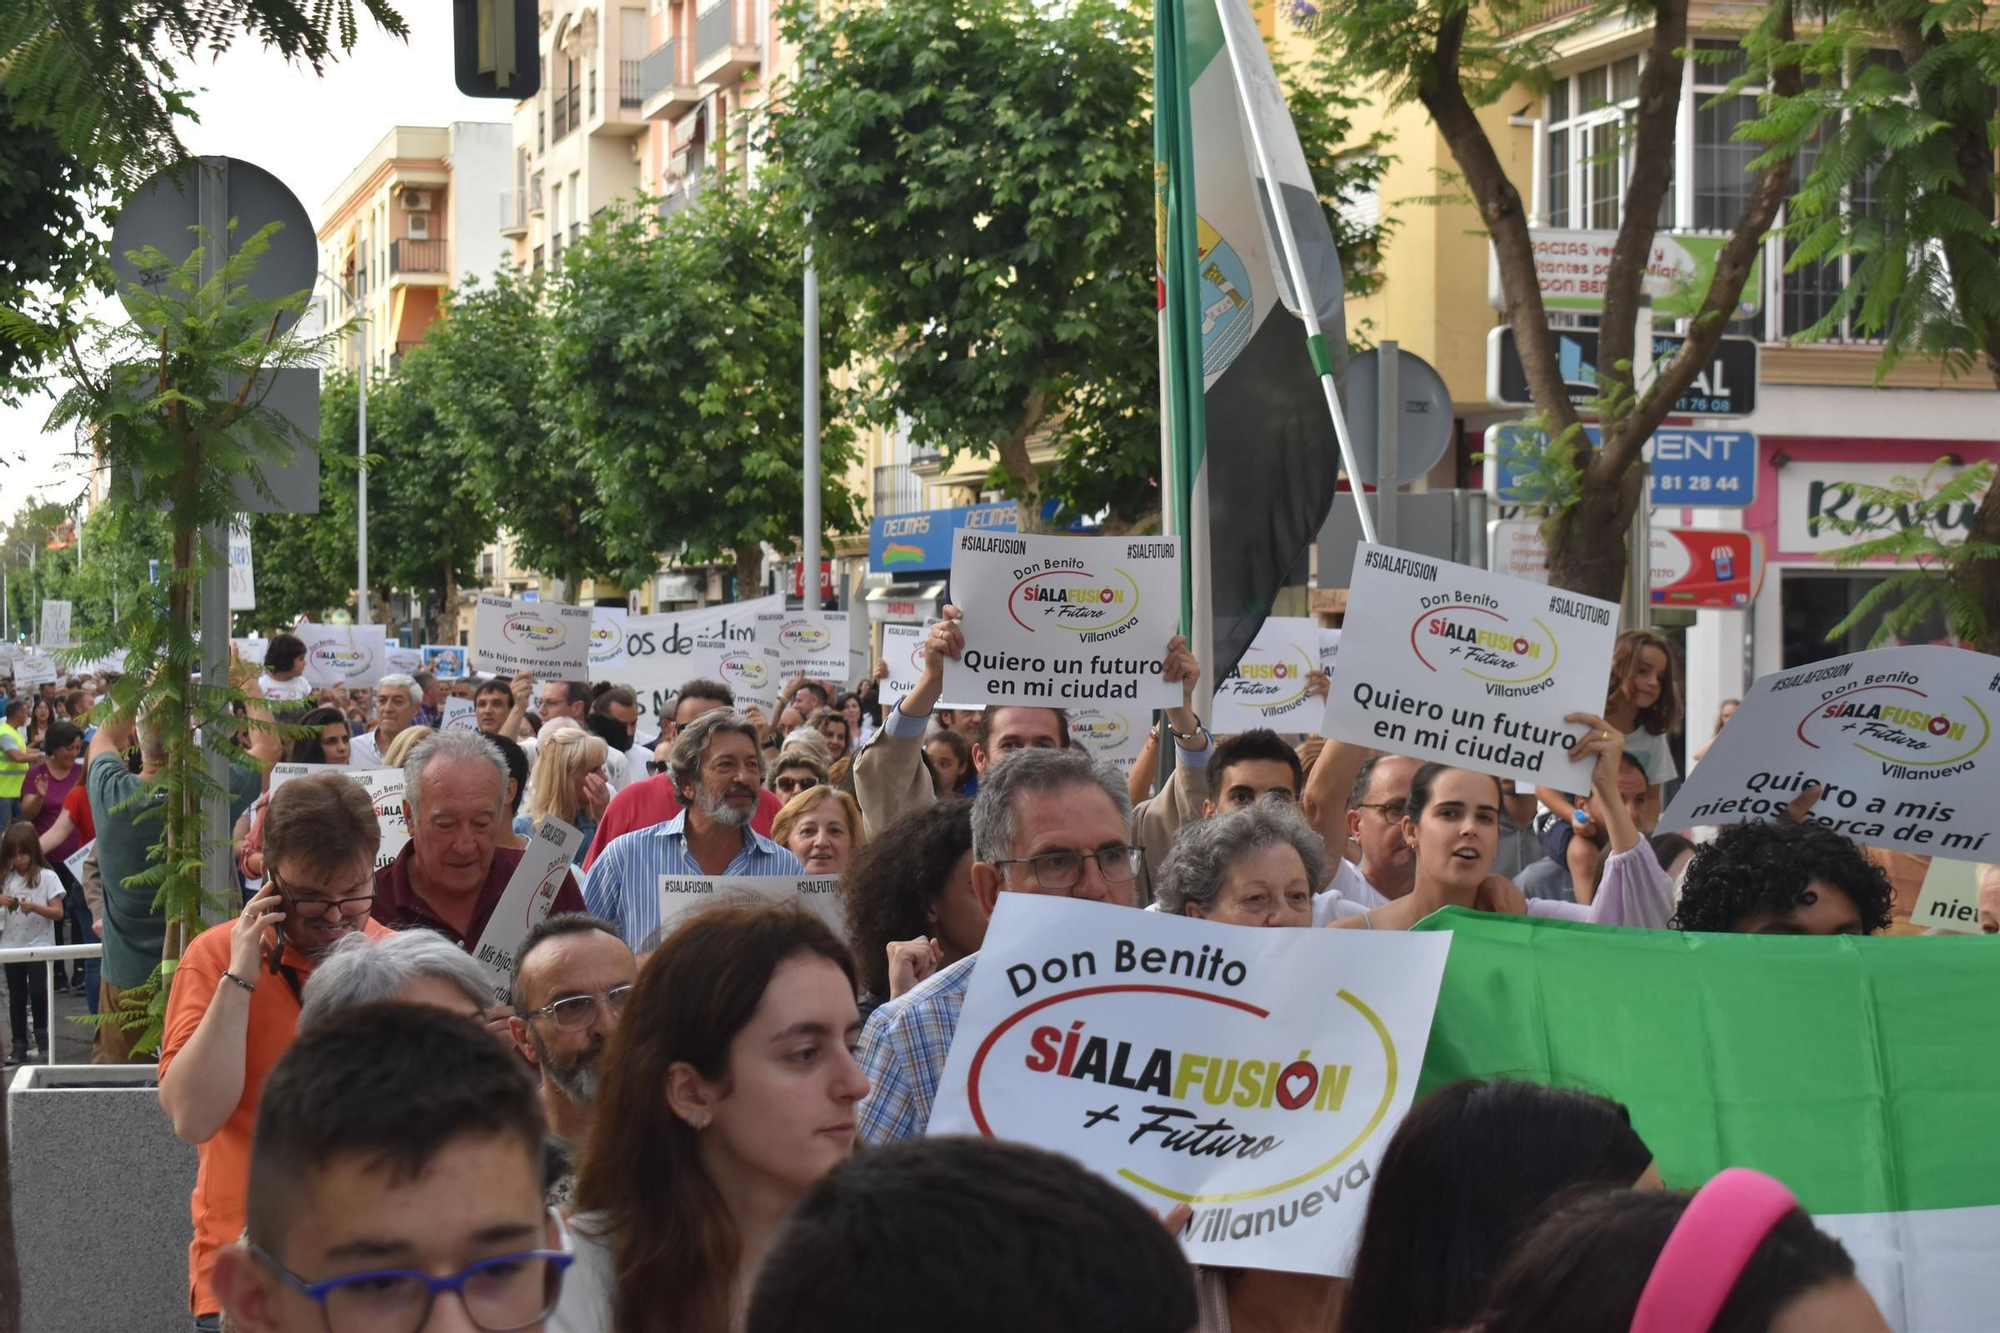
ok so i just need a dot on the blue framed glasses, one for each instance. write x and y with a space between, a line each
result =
500 1294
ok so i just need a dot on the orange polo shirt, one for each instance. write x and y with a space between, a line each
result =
222 1180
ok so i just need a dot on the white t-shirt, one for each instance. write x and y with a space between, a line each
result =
284 691
362 752
1654 752
22 929
1347 894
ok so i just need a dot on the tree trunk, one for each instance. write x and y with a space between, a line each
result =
1013 451
749 567
1587 541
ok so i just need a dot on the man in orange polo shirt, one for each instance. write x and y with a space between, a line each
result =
235 997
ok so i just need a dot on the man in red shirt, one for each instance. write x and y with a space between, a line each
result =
644 804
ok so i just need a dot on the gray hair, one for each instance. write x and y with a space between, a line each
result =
361 970
684 760
451 747
1204 852
399 681
1034 771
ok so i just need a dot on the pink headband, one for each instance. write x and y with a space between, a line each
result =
1722 1227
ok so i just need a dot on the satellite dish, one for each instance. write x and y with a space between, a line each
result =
1425 422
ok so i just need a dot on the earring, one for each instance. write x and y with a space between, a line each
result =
698 1123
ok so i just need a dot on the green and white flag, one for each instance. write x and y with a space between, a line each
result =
1249 455
1863 1073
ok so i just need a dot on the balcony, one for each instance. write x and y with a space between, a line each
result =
725 46
629 83
410 257
621 118
682 193
513 212
662 94
897 490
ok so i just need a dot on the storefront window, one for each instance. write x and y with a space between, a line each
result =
1812 603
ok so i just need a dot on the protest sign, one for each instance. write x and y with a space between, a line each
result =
242 573
251 650
716 643
112 664
1268 687
1193 1062
903 650
1064 621
34 669
550 639
458 715
812 644
445 661
607 642
74 861
1113 736
531 890
1898 737
1468 667
1329 649
383 785
401 660
55 626
1950 898
347 655
681 894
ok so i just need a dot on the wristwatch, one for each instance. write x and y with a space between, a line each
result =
1200 732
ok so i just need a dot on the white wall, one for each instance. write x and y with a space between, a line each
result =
482 165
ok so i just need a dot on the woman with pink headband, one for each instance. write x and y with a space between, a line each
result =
1737 1256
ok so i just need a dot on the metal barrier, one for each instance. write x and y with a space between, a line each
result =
47 954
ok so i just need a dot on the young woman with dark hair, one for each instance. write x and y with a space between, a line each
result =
1737 1256
910 905
329 741
1464 1178
950 755
1783 878
728 1092
1644 705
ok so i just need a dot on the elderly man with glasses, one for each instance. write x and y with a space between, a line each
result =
237 990
1045 821
572 977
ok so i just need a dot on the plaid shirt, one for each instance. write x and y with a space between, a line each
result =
903 1050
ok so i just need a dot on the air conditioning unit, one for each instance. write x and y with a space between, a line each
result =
420 226
415 201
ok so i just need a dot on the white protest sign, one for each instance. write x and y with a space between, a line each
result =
1113 736
344 654
33 669
531 890
1950 898
401 660
661 654
1468 667
812 644
458 715
242 573
1268 687
74 861
1329 649
1064 621
903 650
251 650
55 625
384 787
607 642
1188 1061
112 663
1898 737
443 660
681 894
550 639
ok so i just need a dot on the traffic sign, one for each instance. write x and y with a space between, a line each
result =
1425 426
1711 468
1726 388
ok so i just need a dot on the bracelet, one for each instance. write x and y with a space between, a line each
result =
248 986
1199 731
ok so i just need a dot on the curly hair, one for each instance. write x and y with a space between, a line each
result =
1771 867
893 879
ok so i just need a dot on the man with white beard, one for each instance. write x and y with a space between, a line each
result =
717 769
572 977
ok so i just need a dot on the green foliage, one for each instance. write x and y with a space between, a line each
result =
45 201
979 178
1930 582
1548 478
676 384
1505 45
178 418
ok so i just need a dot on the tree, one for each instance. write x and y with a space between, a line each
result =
676 381
1456 58
979 178
45 201
1900 103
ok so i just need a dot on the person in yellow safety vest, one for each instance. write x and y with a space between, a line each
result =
15 756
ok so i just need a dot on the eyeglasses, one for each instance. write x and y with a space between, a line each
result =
1391 810
573 1011
313 909
504 1293
656 766
788 786
1062 869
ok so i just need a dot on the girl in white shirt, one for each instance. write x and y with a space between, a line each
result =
30 906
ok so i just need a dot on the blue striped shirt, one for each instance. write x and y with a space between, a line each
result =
624 883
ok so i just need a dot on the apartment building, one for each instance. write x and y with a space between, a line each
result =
415 213
1818 418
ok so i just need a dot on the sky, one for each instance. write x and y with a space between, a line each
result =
309 132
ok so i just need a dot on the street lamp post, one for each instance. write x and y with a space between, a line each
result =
361 452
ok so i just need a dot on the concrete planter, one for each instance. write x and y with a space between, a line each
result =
101 1190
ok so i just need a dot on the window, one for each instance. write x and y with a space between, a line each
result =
1362 209
1588 117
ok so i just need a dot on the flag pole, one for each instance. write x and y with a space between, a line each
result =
1322 358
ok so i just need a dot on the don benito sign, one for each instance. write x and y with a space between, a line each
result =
1197 1063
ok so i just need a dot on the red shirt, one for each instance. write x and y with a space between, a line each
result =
399 907
78 805
644 804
